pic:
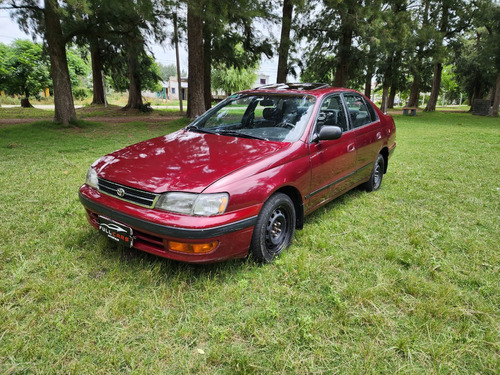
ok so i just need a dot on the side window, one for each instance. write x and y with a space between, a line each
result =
332 113
360 112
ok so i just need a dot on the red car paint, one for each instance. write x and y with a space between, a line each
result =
311 172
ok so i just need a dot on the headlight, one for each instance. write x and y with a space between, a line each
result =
194 204
91 178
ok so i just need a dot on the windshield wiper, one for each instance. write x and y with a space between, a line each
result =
242 135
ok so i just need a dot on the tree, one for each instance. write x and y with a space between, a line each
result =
230 79
449 19
492 24
87 28
477 55
196 92
330 30
46 20
117 33
284 47
167 71
226 26
26 70
449 84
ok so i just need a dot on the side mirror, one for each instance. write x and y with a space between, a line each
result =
329 133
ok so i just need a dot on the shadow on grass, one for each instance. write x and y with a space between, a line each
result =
317 215
101 254
132 259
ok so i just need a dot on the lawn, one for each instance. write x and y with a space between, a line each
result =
402 280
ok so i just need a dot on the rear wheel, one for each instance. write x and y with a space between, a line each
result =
377 174
274 229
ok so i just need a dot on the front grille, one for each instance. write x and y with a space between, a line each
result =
140 197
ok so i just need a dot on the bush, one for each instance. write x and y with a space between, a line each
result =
81 93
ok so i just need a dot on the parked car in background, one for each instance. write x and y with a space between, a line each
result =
240 178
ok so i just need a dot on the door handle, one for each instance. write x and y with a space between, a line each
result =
379 135
351 147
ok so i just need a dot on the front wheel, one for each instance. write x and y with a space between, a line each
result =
274 229
377 173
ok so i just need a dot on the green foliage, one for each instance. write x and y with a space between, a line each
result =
24 68
231 80
449 83
148 70
231 27
167 71
404 280
473 66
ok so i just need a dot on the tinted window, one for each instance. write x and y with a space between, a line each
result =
361 113
332 113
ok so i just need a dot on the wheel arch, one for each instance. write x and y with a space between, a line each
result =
296 198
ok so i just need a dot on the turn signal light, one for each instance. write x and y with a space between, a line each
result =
192 248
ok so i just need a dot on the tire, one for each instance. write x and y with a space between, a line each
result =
377 174
275 228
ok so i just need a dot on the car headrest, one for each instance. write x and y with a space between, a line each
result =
273 114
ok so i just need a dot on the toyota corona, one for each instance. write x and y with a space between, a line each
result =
240 179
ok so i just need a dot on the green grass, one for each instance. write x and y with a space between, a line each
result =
87 112
18 113
402 280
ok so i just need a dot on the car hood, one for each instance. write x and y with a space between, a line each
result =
182 161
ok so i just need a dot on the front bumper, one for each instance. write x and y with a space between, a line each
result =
154 229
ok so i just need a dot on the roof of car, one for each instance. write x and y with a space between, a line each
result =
293 86
316 89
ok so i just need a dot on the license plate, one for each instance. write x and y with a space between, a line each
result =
116 231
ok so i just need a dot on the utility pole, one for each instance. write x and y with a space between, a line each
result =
176 41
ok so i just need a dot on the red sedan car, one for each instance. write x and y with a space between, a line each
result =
241 177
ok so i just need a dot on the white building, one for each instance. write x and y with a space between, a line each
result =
172 88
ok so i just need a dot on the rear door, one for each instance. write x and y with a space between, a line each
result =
332 162
367 132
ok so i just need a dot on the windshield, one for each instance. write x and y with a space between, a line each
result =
281 118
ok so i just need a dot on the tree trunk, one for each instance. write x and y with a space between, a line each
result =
25 103
392 96
385 92
368 83
63 96
97 81
436 87
496 101
196 96
414 92
477 94
342 71
438 66
207 67
284 48
178 65
135 86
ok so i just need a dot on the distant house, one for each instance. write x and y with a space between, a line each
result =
262 79
172 88
156 95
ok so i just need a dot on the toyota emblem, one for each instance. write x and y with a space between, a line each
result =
120 192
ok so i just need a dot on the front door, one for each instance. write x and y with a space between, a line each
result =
332 162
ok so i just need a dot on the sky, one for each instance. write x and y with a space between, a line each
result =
9 31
